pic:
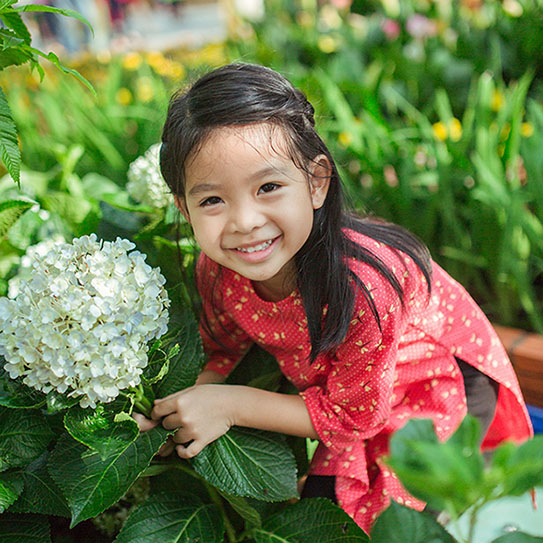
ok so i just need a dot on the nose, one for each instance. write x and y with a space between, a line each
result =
246 217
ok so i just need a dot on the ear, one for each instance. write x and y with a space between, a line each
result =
319 182
182 206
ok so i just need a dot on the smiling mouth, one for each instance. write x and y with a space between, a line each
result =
260 247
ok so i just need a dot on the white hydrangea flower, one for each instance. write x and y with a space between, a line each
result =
145 182
82 319
25 265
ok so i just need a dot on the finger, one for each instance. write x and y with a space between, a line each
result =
144 423
172 422
167 448
162 409
172 395
189 452
182 436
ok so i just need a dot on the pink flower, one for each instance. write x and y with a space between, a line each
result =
420 26
391 28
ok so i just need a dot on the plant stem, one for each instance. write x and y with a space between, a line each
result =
472 522
215 498
142 403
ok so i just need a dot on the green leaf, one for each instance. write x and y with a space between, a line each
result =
11 485
28 528
40 494
522 466
173 518
24 435
10 211
97 429
13 55
315 520
91 484
57 402
446 475
49 9
121 200
51 57
74 210
6 3
15 394
184 367
400 524
244 509
251 463
518 537
9 147
15 22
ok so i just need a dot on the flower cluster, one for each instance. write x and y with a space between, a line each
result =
82 320
25 266
145 182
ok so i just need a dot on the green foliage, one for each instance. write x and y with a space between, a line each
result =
10 211
452 476
269 469
16 49
433 113
173 517
399 524
28 528
443 136
9 149
309 520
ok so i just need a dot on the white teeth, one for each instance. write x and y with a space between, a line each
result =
260 247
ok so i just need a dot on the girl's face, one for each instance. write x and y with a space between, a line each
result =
250 206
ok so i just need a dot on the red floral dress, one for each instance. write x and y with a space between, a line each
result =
375 381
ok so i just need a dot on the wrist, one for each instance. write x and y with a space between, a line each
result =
237 403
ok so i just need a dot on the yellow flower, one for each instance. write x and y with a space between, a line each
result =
154 59
497 100
212 54
132 61
145 90
123 96
162 67
526 130
345 139
176 70
452 130
440 131
455 129
327 44
506 130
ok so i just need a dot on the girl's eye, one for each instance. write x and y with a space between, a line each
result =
269 187
212 200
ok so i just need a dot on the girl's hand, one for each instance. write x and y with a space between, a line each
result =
146 424
201 413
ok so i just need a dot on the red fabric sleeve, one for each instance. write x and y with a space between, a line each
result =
224 342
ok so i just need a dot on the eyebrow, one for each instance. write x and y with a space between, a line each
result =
203 187
210 187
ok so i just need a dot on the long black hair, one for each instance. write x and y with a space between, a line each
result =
246 94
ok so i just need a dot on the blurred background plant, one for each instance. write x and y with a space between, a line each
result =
434 113
432 109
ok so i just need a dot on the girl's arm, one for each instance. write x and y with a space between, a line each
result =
205 412
209 376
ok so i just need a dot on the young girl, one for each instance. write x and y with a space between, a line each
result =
370 331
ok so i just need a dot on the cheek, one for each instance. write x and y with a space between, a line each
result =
207 232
